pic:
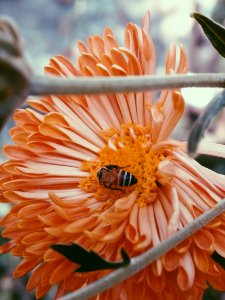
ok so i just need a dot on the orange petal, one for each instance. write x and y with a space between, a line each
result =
186 272
35 278
219 240
26 265
144 228
33 210
34 237
131 230
115 233
201 259
134 65
63 270
83 224
97 45
18 153
157 283
171 59
39 248
183 247
171 260
204 239
6 248
82 47
42 290
218 281
119 60
67 64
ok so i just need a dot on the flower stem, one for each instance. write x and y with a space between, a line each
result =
203 121
141 261
43 85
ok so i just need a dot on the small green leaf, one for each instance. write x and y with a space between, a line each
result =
89 260
213 30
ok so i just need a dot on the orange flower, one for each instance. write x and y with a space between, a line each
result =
51 178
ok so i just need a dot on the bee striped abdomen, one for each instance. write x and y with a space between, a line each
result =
113 175
125 178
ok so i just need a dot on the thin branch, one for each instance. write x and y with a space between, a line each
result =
203 121
43 85
141 261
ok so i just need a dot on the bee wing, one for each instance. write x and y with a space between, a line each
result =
112 167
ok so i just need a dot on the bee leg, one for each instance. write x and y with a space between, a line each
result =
111 188
106 186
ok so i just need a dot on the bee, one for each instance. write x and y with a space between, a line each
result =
113 175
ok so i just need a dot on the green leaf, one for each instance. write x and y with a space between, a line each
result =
89 260
213 30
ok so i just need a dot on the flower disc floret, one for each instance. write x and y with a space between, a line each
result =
131 149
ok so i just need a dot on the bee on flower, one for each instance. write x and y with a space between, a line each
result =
51 178
113 175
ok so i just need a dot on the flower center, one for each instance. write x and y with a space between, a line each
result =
132 151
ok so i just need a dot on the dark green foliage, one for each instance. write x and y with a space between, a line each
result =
219 259
89 260
213 30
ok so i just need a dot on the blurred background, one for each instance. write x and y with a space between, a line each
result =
53 27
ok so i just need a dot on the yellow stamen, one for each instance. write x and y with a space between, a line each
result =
132 148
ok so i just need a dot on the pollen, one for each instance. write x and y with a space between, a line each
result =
132 150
